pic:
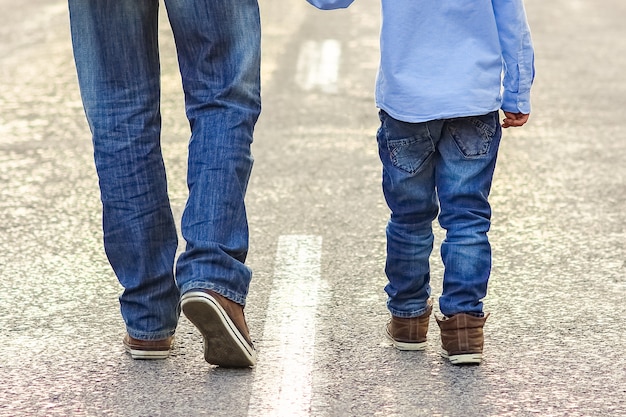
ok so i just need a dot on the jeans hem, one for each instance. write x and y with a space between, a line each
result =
407 315
225 292
139 335
479 314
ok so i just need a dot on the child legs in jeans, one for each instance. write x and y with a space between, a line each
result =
440 168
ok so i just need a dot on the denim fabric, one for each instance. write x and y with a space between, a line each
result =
438 168
117 58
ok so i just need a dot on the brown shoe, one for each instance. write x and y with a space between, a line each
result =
223 326
410 333
462 338
148 349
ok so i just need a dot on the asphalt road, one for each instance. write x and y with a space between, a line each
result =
554 342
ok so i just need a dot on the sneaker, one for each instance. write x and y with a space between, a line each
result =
462 338
148 349
223 326
409 333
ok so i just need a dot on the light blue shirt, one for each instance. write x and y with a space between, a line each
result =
451 58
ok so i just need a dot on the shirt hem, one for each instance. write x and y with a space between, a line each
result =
413 118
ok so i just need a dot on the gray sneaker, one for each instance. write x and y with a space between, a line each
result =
223 326
462 338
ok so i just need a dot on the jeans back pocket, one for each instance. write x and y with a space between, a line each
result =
411 153
409 144
473 135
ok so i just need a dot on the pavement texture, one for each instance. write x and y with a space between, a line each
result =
554 342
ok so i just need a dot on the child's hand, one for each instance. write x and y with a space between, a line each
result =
514 119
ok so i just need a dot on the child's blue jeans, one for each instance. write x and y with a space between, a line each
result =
445 168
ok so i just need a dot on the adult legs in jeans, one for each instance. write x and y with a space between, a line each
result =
116 53
218 46
221 79
446 163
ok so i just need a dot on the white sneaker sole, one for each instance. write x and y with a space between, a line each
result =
464 359
224 345
147 354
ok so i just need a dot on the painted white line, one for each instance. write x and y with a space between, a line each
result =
283 381
318 65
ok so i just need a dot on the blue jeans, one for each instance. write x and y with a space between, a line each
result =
438 168
116 53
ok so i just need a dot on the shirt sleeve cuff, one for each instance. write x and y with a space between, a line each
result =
515 102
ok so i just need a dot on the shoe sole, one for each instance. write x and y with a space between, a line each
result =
463 359
405 346
224 345
147 354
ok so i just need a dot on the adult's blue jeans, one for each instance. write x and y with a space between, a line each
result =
117 58
438 168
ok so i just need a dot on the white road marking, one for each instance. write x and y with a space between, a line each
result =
318 65
283 381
